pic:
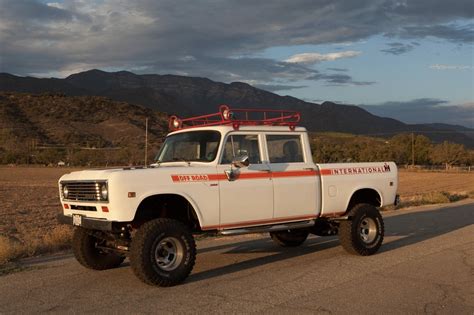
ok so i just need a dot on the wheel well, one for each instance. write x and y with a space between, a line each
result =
167 206
365 195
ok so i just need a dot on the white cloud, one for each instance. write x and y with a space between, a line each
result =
450 67
312 58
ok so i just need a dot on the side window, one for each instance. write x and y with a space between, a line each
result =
241 145
284 149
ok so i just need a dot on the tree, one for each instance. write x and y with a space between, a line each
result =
422 150
449 154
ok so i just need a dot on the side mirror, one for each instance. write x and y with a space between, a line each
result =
241 161
238 162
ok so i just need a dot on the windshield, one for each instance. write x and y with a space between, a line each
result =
200 146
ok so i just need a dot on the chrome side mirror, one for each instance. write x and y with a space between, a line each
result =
241 161
238 162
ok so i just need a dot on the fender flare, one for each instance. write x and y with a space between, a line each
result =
362 188
179 193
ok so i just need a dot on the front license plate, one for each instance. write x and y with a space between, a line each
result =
77 219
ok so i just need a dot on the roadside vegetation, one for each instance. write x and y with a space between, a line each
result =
58 238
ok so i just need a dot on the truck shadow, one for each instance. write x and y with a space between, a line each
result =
408 228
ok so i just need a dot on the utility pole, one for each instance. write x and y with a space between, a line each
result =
146 141
412 149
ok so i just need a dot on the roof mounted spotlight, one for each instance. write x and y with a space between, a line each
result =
175 123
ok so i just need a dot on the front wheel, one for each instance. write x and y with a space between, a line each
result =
88 253
290 238
362 234
163 252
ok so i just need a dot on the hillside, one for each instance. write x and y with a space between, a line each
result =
189 96
39 121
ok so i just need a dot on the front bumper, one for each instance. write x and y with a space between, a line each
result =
87 223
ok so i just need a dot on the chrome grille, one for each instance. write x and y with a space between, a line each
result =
83 190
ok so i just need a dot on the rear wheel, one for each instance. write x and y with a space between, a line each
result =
289 238
163 252
87 252
363 233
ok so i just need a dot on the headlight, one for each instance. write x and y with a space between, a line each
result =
104 192
65 192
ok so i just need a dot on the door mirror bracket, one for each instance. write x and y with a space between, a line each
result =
238 162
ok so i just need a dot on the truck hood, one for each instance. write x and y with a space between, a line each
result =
104 174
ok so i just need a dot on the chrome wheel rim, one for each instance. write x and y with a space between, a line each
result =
367 230
169 253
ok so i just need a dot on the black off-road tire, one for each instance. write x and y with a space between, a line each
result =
363 233
290 238
88 255
151 248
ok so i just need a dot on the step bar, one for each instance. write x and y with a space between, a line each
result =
269 228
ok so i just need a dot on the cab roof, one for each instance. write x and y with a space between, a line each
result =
228 128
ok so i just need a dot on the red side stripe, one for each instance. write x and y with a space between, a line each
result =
260 175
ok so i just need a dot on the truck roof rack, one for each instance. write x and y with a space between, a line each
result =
238 117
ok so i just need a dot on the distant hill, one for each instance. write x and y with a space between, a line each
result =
191 95
76 121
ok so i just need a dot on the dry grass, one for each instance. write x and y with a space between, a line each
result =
29 204
57 239
433 197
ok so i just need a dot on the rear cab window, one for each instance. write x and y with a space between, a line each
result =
284 148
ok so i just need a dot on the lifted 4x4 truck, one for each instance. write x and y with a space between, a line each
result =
233 172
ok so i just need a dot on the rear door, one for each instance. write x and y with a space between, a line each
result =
296 183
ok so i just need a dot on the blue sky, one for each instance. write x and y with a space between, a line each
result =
411 60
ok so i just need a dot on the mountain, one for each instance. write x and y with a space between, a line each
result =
186 96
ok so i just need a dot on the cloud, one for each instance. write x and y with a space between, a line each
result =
266 73
313 58
339 80
278 87
399 48
462 34
338 69
165 36
450 67
426 110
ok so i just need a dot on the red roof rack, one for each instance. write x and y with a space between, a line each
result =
238 117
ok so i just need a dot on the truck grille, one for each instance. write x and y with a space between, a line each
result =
83 190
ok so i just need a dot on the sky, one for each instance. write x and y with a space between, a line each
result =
410 60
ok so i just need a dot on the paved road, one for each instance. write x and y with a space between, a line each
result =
426 265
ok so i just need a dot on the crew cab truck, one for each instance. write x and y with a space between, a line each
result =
233 172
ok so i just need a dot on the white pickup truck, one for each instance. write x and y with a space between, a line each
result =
226 173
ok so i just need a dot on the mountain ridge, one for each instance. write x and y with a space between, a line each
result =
186 96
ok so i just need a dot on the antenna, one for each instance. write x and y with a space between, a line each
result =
146 141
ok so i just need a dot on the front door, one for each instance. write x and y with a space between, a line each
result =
248 199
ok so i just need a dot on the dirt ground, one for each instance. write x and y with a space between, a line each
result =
416 183
29 199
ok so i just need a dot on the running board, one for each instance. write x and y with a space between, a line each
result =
269 228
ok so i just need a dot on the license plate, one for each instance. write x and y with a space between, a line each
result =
77 219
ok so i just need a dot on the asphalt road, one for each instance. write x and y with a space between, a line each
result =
426 265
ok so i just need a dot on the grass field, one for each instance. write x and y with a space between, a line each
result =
29 204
